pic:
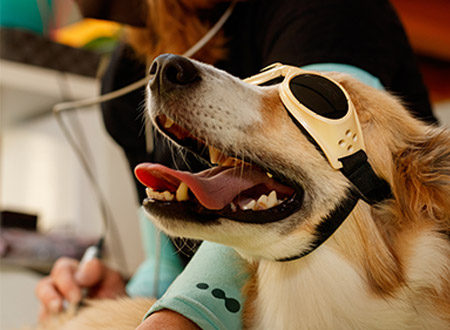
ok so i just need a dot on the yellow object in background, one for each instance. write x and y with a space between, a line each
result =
81 33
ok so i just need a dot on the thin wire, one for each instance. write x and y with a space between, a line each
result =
64 106
83 153
106 214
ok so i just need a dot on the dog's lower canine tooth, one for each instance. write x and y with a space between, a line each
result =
168 123
182 192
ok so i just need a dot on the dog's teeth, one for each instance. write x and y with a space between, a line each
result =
169 122
250 205
233 207
160 196
272 199
168 196
214 154
269 175
182 192
231 161
262 202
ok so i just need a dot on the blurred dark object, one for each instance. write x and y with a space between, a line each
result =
436 74
29 48
10 219
131 12
427 24
38 251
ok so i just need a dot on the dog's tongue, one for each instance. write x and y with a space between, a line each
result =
214 188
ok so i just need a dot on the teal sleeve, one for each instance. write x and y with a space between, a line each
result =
353 71
208 292
161 266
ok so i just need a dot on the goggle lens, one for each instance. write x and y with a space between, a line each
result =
319 95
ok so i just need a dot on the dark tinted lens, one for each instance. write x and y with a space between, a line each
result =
320 95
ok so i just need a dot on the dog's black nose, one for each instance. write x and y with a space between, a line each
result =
171 71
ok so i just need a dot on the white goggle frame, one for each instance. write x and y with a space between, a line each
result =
337 138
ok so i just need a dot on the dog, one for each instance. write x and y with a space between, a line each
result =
387 266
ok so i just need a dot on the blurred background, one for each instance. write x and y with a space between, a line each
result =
49 54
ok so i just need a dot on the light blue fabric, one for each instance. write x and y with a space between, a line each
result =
162 264
353 71
216 271
209 290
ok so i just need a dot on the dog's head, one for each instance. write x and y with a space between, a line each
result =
272 187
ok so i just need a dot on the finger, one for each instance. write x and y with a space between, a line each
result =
63 279
90 273
112 285
48 295
43 313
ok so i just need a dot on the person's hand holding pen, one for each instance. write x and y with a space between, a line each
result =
69 277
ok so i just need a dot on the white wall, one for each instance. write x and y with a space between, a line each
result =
39 172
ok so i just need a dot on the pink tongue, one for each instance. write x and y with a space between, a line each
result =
214 188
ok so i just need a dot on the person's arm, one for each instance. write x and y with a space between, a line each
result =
208 292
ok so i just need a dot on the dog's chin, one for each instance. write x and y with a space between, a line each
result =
271 242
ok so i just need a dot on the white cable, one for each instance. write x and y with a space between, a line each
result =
57 110
64 106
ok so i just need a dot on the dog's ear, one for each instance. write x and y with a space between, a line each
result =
422 178
412 157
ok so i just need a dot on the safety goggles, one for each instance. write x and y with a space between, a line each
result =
320 105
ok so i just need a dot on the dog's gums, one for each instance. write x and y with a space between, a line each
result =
234 189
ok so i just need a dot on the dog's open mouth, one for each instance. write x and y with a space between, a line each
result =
236 189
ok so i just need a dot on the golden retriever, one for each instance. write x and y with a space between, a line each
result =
387 266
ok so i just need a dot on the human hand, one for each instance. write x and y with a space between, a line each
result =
167 320
67 279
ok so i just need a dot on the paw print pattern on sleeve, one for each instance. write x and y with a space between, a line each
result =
232 305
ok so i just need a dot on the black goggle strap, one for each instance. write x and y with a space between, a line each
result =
329 225
357 169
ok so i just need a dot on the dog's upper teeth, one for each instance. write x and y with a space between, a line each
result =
269 175
182 192
218 157
162 196
231 161
168 123
215 155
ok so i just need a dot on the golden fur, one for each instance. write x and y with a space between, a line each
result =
380 241
111 314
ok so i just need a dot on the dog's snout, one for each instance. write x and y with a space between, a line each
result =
171 71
